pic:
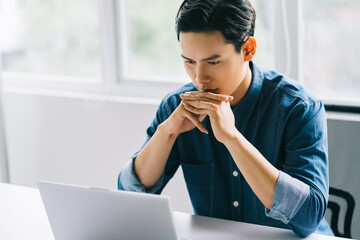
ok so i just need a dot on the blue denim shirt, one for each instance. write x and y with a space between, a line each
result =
286 124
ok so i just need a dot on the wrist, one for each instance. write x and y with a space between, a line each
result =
231 137
165 130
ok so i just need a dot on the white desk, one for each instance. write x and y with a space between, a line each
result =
22 216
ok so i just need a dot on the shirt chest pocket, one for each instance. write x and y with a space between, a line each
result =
199 180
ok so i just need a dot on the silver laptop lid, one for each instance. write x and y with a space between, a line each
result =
85 213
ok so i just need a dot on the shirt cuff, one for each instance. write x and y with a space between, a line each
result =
289 195
130 182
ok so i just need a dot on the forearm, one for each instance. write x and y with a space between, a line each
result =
257 171
150 162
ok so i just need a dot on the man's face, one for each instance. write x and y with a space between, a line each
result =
214 65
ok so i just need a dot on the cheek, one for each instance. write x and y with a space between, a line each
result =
236 71
223 74
190 71
229 78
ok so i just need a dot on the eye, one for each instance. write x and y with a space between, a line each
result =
214 63
190 62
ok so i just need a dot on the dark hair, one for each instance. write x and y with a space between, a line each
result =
235 19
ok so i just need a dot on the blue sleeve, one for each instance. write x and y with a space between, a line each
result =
128 180
301 192
290 194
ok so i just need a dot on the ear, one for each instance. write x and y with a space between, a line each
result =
249 48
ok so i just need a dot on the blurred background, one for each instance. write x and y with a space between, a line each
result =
81 81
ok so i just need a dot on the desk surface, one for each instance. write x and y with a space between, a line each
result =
23 216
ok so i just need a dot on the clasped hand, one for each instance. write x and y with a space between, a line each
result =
200 104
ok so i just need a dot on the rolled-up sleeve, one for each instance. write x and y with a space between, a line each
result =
301 193
128 180
289 196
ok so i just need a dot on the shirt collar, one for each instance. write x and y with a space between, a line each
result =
247 104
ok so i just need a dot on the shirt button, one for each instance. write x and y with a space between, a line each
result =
235 173
236 204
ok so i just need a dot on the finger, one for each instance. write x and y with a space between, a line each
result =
196 121
204 98
196 110
200 99
210 95
203 104
206 95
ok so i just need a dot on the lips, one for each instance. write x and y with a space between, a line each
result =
214 90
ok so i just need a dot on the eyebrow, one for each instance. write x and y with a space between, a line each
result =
215 56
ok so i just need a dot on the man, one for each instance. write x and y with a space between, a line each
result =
252 143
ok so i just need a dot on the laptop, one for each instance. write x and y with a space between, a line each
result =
86 213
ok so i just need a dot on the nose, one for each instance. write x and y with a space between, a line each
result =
202 75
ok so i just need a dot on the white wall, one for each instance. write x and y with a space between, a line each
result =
78 140
86 140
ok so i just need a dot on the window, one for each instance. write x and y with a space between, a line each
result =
152 48
264 33
331 48
50 38
127 46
